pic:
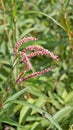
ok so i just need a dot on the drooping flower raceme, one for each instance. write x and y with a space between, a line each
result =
38 50
35 74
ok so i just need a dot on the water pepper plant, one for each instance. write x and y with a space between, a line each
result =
34 50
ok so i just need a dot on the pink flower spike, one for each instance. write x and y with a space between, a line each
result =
28 53
19 43
37 73
26 60
42 52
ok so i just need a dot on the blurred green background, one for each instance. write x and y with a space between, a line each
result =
45 102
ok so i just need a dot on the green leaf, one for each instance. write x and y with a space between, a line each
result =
48 16
41 111
9 121
24 113
28 31
3 27
16 95
7 103
36 126
63 112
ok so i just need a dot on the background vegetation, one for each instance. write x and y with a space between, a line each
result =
45 102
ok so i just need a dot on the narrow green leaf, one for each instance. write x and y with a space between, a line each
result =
35 126
11 98
62 113
16 95
48 16
24 113
10 122
28 31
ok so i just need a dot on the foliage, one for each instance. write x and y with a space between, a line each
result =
44 102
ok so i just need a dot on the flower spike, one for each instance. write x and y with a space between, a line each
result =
38 50
24 40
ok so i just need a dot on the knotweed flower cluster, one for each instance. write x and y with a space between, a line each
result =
35 50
